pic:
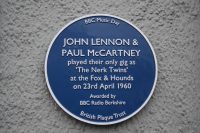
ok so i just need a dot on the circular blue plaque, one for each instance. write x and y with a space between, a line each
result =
101 69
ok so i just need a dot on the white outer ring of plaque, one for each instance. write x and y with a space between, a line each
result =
87 121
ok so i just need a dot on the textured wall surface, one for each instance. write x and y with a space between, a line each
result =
27 27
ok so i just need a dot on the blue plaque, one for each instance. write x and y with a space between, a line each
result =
101 69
